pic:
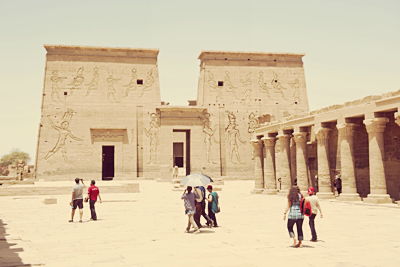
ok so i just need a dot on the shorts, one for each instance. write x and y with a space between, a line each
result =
77 203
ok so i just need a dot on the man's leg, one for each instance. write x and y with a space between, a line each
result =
72 215
197 214
93 214
312 227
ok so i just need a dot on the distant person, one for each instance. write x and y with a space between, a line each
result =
77 199
175 171
188 198
338 184
295 215
93 193
213 204
200 197
314 201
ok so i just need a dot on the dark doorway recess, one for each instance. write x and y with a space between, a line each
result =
108 163
187 150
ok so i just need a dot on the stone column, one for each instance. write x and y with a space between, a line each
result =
258 166
347 169
269 165
301 160
283 162
324 177
375 128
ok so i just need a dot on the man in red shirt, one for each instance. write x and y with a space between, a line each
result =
93 193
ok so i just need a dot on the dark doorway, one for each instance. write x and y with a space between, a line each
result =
178 154
186 155
108 163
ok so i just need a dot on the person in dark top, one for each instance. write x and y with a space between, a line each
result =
338 184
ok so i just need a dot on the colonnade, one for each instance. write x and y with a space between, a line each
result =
268 164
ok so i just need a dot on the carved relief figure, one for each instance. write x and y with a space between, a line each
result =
152 133
212 83
63 133
277 86
94 83
233 137
131 86
78 79
263 85
253 123
295 84
111 92
246 84
208 134
147 83
228 83
55 85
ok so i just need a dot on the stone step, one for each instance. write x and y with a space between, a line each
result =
65 188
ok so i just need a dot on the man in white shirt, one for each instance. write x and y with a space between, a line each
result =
313 199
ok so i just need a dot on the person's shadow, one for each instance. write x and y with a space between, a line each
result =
9 255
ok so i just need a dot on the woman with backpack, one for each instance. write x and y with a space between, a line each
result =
295 215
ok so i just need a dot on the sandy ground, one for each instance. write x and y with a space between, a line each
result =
147 229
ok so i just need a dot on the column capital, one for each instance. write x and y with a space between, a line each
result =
322 133
376 125
269 141
346 128
256 142
300 137
397 117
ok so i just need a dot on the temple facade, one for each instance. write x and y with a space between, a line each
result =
358 141
102 116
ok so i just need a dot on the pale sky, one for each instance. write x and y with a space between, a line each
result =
352 47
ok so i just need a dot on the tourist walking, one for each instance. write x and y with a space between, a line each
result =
338 184
295 215
200 196
77 199
213 204
93 193
188 198
314 201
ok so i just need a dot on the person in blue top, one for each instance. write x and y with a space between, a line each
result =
213 204
295 215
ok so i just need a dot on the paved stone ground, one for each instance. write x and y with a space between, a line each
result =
147 229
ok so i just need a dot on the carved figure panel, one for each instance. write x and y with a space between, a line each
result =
153 133
208 135
233 137
94 82
64 133
56 87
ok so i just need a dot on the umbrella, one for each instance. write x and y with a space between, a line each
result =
196 179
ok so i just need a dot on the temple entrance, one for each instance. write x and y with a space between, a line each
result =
181 151
108 163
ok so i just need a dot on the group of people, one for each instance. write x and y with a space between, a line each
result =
298 206
77 199
195 205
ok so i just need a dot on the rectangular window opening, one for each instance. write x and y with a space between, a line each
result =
139 81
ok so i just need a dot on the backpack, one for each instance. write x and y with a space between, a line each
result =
305 207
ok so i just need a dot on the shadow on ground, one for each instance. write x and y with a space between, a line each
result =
8 255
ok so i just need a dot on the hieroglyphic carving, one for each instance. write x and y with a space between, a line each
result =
131 86
275 87
77 80
295 85
253 123
247 88
140 88
229 87
233 137
63 133
94 82
55 85
111 91
153 134
208 134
